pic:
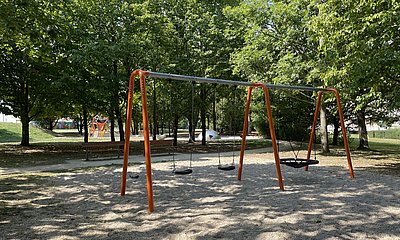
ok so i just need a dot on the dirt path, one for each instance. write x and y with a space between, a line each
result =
137 159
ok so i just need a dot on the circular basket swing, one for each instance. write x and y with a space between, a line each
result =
295 161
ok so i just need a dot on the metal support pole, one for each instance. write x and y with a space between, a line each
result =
316 112
244 134
340 111
149 181
344 134
273 137
127 131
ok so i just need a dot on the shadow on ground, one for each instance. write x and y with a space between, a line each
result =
208 204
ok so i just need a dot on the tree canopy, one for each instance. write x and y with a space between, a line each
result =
73 58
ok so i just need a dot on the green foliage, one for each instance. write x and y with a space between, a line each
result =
350 46
230 110
279 48
290 123
360 46
61 58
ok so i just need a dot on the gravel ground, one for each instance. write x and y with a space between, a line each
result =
323 203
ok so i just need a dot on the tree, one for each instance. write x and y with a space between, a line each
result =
360 44
280 48
28 55
106 40
199 48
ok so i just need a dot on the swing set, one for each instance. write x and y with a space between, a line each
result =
189 170
250 87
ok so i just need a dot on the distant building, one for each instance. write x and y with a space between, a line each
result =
8 118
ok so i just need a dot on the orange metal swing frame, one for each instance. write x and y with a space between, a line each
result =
265 87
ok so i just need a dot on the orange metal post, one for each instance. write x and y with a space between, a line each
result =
127 131
273 137
146 135
346 144
244 134
316 112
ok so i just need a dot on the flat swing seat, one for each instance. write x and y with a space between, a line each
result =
297 162
227 168
183 171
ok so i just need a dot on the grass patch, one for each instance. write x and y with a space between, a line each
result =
12 132
259 143
46 147
389 146
383 156
393 133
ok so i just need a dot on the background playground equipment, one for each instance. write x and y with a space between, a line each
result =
99 126
251 86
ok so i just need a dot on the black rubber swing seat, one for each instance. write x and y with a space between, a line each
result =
297 162
226 168
183 171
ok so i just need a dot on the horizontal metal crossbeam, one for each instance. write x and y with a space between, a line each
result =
197 79
229 82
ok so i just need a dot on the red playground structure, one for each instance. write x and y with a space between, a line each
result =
98 126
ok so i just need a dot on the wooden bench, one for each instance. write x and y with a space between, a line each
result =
159 144
92 147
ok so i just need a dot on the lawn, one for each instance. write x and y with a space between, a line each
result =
393 133
46 147
11 133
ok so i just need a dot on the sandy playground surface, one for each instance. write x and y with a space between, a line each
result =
323 203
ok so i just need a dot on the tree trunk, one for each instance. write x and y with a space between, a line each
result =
135 127
362 130
203 115
114 96
55 122
85 125
112 127
120 124
25 129
51 126
162 122
336 125
25 116
151 128
324 129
